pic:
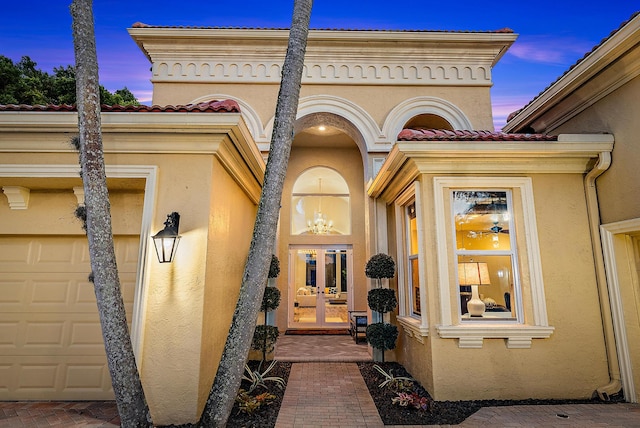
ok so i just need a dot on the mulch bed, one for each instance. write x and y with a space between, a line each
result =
266 415
439 412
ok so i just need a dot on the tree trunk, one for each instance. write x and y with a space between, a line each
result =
132 406
254 280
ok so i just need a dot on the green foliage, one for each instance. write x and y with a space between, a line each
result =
248 403
380 266
264 338
397 383
271 299
23 83
382 300
382 335
274 268
259 379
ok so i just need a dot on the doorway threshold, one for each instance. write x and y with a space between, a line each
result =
317 331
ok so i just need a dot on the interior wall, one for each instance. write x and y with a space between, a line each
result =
347 162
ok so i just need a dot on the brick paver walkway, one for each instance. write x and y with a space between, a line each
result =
331 395
86 414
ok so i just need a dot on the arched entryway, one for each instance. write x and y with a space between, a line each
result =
322 236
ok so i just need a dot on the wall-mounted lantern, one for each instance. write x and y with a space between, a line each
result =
166 241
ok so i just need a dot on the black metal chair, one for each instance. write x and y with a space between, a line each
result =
358 325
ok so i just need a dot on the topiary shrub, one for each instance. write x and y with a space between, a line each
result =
264 338
271 299
274 267
380 266
382 300
383 336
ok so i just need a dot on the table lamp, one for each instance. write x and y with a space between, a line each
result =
474 274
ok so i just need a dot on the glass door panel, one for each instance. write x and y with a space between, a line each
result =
320 283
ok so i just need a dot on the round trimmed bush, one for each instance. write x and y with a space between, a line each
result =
382 300
271 299
382 335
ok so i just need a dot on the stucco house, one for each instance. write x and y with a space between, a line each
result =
504 288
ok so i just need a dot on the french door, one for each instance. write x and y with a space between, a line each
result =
320 286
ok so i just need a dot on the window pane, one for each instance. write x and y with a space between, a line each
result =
492 276
415 286
413 229
482 220
315 214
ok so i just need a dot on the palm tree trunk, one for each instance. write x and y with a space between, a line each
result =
254 280
132 406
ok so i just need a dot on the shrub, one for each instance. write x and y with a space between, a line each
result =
248 403
264 338
382 300
380 266
259 379
271 299
382 336
274 267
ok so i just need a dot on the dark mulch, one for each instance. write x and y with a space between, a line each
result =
439 412
266 415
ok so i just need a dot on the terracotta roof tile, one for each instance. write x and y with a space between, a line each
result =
229 106
188 27
463 135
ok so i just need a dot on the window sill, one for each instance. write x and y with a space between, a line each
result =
413 328
517 336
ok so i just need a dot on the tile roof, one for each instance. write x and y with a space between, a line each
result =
513 114
228 106
188 27
463 135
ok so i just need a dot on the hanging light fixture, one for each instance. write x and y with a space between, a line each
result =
319 225
166 241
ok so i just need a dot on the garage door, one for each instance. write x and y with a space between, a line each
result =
50 339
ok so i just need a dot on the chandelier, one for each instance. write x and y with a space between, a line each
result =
319 225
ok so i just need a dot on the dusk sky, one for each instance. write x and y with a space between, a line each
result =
553 35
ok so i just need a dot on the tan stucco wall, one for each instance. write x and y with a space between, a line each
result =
475 102
183 323
572 362
618 187
51 212
231 220
348 162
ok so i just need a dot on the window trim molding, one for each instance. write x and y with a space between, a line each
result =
470 335
415 326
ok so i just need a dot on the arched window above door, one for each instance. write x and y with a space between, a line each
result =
320 203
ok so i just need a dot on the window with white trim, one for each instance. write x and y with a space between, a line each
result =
410 250
477 253
485 252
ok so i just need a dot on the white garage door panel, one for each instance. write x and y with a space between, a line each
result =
51 344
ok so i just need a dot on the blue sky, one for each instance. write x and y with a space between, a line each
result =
553 35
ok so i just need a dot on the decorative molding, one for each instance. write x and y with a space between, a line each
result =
403 112
18 197
413 328
514 332
79 192
321 72
517 336
612 260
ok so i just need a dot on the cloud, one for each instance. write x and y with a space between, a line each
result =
547 49
503 106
